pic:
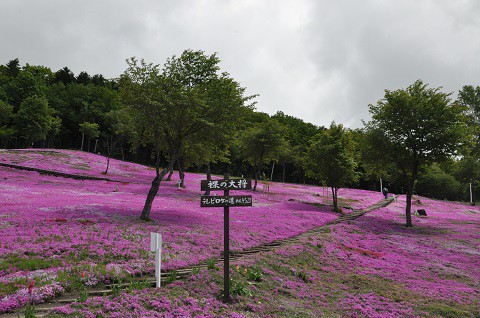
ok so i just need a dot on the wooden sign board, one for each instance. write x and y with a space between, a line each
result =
226 184
225 201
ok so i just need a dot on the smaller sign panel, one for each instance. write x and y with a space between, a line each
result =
222 200
155 241
226 184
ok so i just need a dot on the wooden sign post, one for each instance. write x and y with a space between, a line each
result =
226 201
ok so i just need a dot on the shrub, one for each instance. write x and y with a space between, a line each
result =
439 185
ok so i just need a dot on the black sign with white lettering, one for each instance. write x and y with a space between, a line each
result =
226 184
223 201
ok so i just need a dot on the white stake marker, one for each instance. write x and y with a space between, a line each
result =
156 246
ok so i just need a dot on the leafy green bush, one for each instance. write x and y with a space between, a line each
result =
438 184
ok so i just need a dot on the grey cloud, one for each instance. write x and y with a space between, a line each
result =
317 60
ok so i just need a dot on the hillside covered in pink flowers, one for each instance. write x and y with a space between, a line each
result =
66 234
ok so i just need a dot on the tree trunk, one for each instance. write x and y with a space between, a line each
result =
271 175
152 193
209 177
170 174
150 196
108 164
181 174
408 207
257 175
83 138
158 178
472 194
334 199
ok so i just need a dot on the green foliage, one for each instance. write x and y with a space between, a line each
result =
117 288
443 310
413 128
238 288
172 276
330 158
419 124
6 112
142 93
211 264
469 96
303 276
34 119
262 143
29 311
28 263
255 274
435 183
83 296
91 130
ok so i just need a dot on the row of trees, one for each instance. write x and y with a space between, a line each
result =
189 114
52 109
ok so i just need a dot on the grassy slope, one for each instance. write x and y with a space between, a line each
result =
371 267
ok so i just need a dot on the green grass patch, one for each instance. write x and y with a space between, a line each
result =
28 263
444 310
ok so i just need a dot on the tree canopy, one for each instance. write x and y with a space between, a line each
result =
262 143
188 100
415 127
330 158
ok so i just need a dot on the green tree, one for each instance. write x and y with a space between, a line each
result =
261 144
206 106
467 171
190 100
330 159
375 164
65 76
34 119
413 128
6 130
143 93
298 134
438 184
90 130
29 82
469 96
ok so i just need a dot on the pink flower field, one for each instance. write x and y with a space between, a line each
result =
62 234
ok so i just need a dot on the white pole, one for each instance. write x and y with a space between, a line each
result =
156 245
471 194
381 186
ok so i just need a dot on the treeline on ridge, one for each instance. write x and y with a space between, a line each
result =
199 119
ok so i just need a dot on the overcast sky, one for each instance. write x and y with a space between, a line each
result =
319 60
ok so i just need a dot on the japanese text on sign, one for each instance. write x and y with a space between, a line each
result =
219 201
226 184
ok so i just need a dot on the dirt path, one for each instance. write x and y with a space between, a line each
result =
41 310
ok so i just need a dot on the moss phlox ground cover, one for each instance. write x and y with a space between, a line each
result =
64 234
93 226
